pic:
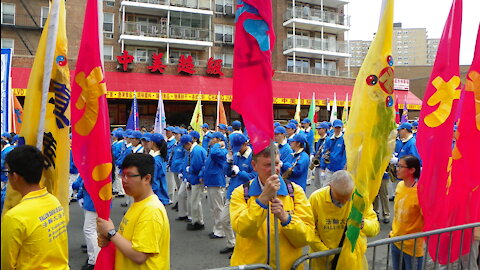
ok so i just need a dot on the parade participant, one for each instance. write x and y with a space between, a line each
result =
118 148
330 131
136 143
334 156
143 237
194 162
213 177
222 128
127 149
240 173
229 130
299 161
195 135
34 232
145 141
176 161
309 133
7 137
291 129
206 130
319 178
276 124
249 208
382 199
281 142
297 126
331 206
237 127
6 148
408 216
171 181
414 129
159 153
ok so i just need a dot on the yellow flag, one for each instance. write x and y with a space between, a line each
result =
47 125
370 136
297 110
197 118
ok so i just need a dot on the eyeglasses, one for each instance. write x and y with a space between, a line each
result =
126 176
399 166
6 172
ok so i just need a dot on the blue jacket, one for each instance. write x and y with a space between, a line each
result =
82 193
246 171
73 168
5 152
195 160
170 146
117 148
125 151
338 155
159 181
319 143
310 137
285 152
178 155
406 148
300 171
205 141
213 173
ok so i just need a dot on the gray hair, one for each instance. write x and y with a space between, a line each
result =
342 182
266 152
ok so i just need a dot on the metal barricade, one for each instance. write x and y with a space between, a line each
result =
246 267
374 262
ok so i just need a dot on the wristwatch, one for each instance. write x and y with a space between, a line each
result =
111 233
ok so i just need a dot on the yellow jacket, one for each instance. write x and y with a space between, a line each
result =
330 223
249 221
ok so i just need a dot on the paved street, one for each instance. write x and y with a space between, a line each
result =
189 250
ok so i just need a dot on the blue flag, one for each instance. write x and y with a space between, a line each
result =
133 121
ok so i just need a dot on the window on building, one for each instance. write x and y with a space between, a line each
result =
7 43
301 65
226 57
108 22
44 15
223 33
175 55
8 13
109 3
224 7
143 55
108 52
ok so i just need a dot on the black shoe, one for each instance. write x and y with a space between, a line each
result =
391 198
195 227
83 246
226 250
386 220
73 200
175 207
88 267
214 236
181 218
120 196
188 220
124 204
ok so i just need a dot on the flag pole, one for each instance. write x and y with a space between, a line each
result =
277 242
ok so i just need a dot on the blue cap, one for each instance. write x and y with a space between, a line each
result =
170 128
322 125
276 124
205 125
230 128
300 137
236 141
405 125
306 120
194 134
16 137
293 121
415 124
209 135
291 125
136 135
236 124
218 135
337 123
157 138
186 139
177 130
329 124
128 133
183 131
7 135
222 126
147 136
280 130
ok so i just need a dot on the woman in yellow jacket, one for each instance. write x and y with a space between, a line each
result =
331 206
249 208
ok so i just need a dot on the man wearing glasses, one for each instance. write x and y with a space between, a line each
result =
34 232
143 238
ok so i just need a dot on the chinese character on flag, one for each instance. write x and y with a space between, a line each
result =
157 64
214 67
125 59
186 64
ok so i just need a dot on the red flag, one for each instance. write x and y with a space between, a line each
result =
252 76
464 182
435 132
397 113
90 123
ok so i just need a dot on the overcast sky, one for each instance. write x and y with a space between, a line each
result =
430 14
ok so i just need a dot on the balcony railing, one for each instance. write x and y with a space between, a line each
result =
318 71
199 4
157 30
315 44
318 15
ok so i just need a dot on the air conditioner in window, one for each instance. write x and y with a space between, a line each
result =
228 10
108 35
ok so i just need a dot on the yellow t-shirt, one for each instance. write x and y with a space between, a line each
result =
408 218
146 225
34 234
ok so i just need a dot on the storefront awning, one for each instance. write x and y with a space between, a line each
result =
178 87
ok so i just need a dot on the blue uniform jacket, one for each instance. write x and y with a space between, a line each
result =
246 171
170 146
117 148
338 155
5 152
205 141
195 160
125 151
406 148
176 164
159 184
83 194
300 171
310 137
213 173
285 152
319 143
73 168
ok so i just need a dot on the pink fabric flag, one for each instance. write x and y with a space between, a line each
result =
435 132
463 184
252 76
397 113
91 125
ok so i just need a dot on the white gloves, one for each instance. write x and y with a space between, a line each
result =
235 169
281 164
322 174
187 169
394 160
180 176
229 157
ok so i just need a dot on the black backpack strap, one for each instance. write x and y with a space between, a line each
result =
337 256
246 187
291 192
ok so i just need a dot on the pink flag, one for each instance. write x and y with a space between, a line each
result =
252 76
90 123
463 184
435 132
397 113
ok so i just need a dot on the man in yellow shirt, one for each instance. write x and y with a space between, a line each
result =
250 218
331 206
143 238
34 232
